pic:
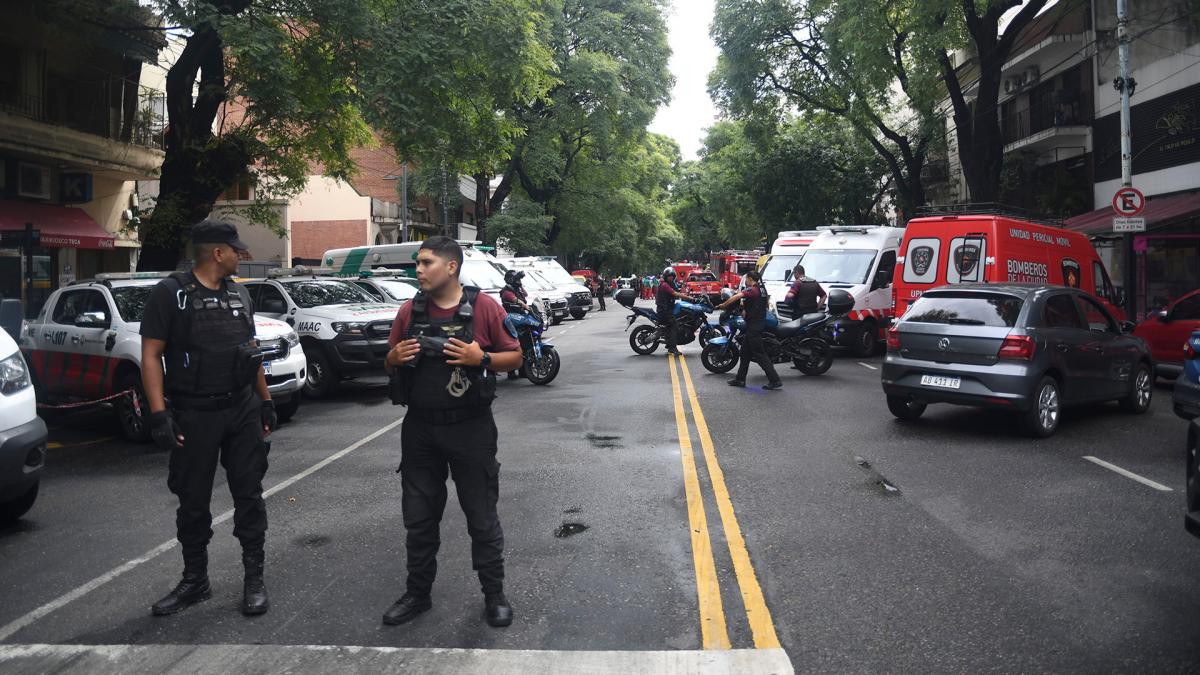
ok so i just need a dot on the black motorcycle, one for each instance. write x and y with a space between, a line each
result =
803 341
691 321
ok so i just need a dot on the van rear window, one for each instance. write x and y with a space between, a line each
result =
964 308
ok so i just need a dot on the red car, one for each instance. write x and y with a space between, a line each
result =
704 283
1167 332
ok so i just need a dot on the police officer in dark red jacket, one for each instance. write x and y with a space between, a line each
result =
754 305
448 343
202 325
664 306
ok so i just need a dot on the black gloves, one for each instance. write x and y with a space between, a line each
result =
164 430
270 420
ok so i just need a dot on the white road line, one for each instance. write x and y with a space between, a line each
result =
1128 474
867 365
61 601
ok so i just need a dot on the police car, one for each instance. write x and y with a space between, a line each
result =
391 286
85 346
343 329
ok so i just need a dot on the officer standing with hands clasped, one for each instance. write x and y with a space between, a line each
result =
448 343
754 304
202 324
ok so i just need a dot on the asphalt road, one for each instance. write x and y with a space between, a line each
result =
805 519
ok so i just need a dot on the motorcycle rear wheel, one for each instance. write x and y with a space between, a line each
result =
644 339
716 360
544 370
818 360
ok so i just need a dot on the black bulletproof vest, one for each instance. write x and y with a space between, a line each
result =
202 355
756 308
432 374
512 307
804 300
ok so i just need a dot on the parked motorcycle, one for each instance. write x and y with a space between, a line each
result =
691 321
541 361
802 341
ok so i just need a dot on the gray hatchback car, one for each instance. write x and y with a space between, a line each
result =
1032 349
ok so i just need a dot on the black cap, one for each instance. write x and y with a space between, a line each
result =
217 232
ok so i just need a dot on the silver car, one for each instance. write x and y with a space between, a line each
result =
1032 349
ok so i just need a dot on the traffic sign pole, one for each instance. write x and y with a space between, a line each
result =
1125 85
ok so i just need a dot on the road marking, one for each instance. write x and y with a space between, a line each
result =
757 614
67 598
184 658
713 632
55 445
1128 474
867 365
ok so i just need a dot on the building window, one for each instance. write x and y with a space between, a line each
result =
242 190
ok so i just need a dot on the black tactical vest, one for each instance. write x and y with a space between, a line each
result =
664 302
205 354
804 300
512 307
756 308
429 379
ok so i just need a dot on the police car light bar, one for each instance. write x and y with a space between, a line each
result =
383 272
299 271
838 229
123 276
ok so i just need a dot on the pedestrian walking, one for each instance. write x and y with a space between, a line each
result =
210 405
447 344
754 308
601 290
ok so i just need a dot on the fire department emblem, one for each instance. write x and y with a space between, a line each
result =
922 258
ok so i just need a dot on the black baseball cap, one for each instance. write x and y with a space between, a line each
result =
210 231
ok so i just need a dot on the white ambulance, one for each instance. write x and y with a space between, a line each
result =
859 259
785 253
477 268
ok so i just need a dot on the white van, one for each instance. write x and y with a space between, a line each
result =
477 268
22 432
789 246
579 297
859 259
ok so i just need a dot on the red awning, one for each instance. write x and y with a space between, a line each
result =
60 226
1159 211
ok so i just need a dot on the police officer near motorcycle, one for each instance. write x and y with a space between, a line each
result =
664 306
447 344
805 295
202 324
754 301
512 296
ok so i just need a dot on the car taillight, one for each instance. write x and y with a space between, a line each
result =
1019 347
893 340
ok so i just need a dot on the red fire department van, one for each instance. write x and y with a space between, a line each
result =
950 249
729 266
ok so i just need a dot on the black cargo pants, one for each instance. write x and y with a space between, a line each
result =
666 319
232 436
755 351
465 451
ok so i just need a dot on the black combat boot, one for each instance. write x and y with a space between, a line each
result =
407 608
499 613
254 592
192 589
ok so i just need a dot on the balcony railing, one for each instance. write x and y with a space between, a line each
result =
99 108
1047 114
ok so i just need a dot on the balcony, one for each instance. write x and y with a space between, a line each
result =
1050 122
96 125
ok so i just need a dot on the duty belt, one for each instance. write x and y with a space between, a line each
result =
213 402
452 416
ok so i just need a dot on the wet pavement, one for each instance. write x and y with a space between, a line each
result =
651 510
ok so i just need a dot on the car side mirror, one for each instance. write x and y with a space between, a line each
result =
1163 316
91 320
1128 326
883 278
10 317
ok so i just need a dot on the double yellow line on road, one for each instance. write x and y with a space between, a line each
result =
713 630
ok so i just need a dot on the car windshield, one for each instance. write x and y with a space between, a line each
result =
483 274
704 276
838 266
398 290
318 292
965 309
556 274
536 280
131 301
779 267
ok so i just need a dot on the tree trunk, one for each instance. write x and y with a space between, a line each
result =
483 204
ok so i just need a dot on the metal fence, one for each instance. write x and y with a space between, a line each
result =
117 109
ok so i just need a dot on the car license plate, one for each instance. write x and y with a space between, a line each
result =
941 381
266 367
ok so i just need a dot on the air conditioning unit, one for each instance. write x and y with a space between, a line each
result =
1033 74
1011 85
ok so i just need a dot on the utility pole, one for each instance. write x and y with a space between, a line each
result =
404 200
1125 85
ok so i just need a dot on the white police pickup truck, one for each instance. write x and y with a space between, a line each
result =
85 346
22 432
343 329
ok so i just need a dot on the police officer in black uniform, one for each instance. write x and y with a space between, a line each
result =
216 408
754 301
664 306
805 295
447 345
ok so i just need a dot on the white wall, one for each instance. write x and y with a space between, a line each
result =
1165 181
325 198
263 242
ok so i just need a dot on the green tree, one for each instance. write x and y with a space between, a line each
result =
520 227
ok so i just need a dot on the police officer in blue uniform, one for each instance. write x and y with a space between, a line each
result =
210 405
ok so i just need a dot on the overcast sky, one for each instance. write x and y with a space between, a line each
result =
693 56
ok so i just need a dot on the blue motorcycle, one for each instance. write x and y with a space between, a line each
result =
801 341
691 320
541 361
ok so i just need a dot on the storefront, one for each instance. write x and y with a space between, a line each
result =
70 245
1165 258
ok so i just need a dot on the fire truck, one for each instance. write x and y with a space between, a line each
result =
729 266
